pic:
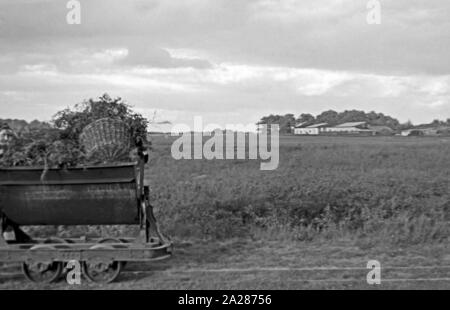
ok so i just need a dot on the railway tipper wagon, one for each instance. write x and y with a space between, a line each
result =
89 195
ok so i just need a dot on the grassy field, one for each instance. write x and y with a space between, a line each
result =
387 189
333 204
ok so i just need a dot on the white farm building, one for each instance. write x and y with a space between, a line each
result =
352 127
310 130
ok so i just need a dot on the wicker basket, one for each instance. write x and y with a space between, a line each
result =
106 140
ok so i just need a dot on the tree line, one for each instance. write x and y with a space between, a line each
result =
20 125
332 118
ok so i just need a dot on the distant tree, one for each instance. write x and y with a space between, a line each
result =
38 125
352 116
20 125
306 118
437 122
330 117
379 119
285 122
406 126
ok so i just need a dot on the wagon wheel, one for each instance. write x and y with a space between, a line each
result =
42 271
102 270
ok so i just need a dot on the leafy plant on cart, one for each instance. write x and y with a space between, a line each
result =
58 144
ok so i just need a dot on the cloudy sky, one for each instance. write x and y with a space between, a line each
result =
230 61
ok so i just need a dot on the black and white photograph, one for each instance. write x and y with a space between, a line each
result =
224 150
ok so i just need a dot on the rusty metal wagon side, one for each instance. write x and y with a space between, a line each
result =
95 195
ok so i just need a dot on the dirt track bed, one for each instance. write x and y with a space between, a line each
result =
271 265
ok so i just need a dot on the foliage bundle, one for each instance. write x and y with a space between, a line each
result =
58 144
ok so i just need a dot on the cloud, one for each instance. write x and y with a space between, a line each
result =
228 59
159 58
292 11
237 84
413 38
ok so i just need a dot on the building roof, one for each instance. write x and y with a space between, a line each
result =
318 125
351 124
301 125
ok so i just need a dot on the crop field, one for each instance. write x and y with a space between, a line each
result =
333 204
324 187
